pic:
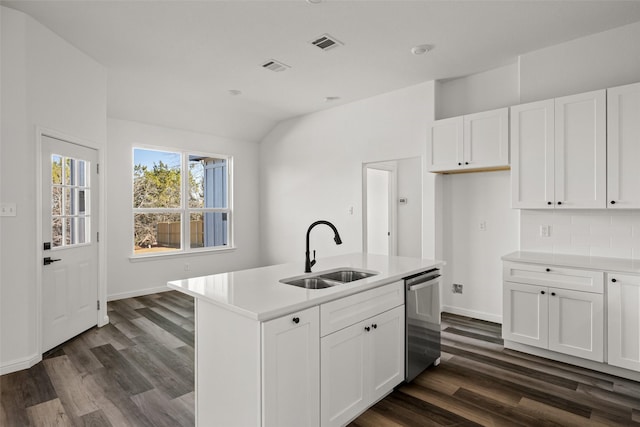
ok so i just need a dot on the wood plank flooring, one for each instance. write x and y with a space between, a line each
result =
138 371
478 382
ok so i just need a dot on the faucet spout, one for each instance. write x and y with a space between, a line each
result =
308 263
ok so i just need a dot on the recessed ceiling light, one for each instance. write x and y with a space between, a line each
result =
421 49
331 98
235 92
314 1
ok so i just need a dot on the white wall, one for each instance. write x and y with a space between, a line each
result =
410 215
488 90
473 255
312 169
45 82
602 60
127 278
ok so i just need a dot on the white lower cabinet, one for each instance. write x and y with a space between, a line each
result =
290 360
562 320
361 364
624 321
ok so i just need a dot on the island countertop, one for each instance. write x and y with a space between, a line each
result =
258 293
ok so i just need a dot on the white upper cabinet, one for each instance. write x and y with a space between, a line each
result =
559 152
445 142
623 146
581 150
471 142
532 152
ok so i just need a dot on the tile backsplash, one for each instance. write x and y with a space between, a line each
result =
604 233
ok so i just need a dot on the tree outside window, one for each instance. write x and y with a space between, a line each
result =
180 212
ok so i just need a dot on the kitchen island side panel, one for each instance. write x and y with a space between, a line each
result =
227 368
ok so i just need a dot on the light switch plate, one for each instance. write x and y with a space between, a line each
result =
7 209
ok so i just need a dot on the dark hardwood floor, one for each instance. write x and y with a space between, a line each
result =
138 371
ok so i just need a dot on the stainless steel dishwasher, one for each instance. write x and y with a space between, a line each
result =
422 328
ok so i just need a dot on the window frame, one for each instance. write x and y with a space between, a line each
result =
184 210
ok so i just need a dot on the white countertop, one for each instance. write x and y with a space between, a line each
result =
618 265
258 294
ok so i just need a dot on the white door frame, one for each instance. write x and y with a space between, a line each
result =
102 318
392 167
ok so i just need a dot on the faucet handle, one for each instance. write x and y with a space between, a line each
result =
313 261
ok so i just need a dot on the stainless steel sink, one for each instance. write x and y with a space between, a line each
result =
346 276
327 279
311 283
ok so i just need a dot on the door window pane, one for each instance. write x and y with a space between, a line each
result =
56 169
157 232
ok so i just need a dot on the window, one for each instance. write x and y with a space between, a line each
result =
178 211
70 201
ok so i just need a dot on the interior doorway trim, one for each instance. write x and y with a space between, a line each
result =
102 317
390 166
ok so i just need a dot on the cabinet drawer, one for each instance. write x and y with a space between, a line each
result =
559 277
344 312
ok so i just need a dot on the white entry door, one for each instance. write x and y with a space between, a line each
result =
70 250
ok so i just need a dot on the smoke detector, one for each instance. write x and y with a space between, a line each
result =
274 65
326 42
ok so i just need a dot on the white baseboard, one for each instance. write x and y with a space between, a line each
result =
472 313
20 364
138 293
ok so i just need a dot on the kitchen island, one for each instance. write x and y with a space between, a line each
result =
269 353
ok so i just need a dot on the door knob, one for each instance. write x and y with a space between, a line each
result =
48 260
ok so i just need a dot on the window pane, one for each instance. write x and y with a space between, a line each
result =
56 200
82 173
156 232
56 232
56 169
156 179
207 182
209 229
67 201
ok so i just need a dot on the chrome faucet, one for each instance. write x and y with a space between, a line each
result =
336 238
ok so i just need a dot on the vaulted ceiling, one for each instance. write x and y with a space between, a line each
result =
174 63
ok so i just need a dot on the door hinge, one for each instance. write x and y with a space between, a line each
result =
98 236
98 168
98 304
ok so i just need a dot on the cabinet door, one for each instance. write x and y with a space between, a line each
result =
532 155
385 356
525 314
624 321
623 146
576 323
444 145
581 151
343 375
486 139
291 370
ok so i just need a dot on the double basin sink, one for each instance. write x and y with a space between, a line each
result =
329 278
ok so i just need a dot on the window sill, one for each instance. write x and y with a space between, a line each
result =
178 254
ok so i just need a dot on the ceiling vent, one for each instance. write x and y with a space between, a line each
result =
274 65
326 42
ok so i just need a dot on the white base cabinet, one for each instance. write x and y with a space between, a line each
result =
290 377
360 364
558 318
624 321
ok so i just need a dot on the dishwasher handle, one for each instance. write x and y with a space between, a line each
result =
422 284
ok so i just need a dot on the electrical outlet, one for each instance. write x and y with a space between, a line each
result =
456 288
545 231
7 209
483 225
